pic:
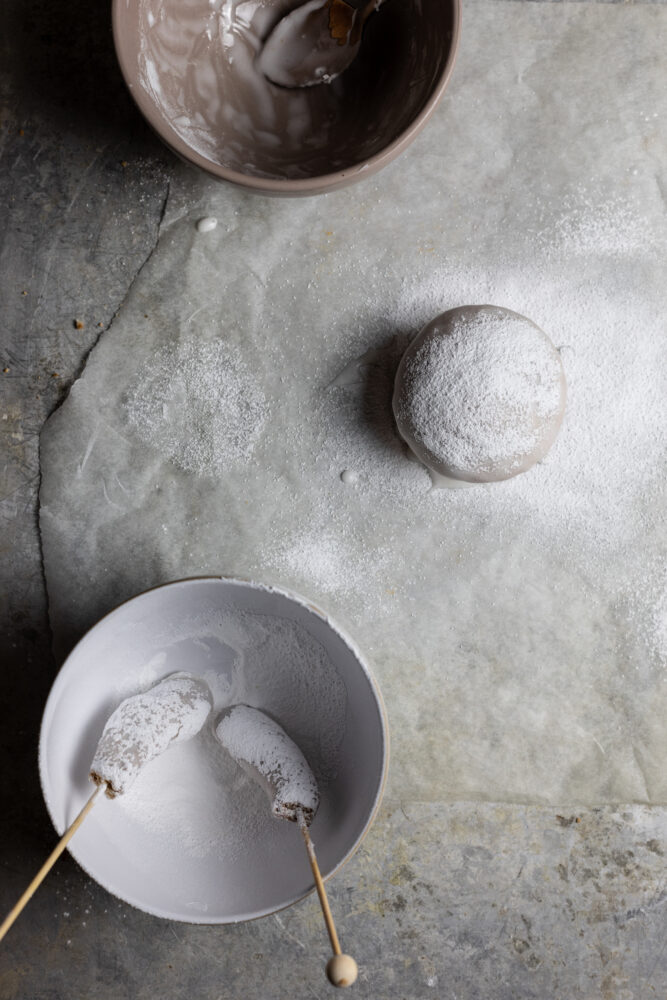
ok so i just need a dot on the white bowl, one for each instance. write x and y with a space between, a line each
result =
193 839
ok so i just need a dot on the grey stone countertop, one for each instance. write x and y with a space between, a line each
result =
446 899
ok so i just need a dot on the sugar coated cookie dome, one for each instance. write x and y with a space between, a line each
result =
479 394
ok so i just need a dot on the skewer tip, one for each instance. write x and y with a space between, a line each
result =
342 970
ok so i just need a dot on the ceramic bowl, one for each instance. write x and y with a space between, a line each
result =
193 839
190 66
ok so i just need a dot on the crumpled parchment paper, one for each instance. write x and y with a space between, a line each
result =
517 631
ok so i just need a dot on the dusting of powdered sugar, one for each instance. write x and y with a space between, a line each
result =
198 405
586 227
480 393
254 739
145 725
322 557
595 502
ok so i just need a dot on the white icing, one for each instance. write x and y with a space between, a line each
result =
300 51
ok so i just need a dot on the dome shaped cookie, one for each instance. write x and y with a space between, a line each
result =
479 395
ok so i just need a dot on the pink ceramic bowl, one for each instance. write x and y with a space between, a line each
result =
190 66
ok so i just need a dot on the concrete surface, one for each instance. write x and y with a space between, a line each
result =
462 901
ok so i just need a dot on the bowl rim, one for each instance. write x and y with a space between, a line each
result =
268 185
291 595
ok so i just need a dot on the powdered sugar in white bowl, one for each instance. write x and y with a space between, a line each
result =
193 838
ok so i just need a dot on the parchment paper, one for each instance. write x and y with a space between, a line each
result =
517 631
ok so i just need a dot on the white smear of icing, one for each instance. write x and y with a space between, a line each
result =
207 224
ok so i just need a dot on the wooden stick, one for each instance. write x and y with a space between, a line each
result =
319 885
50 862
341 969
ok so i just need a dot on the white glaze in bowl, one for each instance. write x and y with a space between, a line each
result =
192 67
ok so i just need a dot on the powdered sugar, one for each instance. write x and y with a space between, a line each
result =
586 227
189 800
480 394
323 558
197 404
252 738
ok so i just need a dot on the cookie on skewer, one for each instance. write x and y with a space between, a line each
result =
142 727
264 750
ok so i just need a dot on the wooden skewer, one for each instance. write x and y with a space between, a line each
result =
50 862
342 969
